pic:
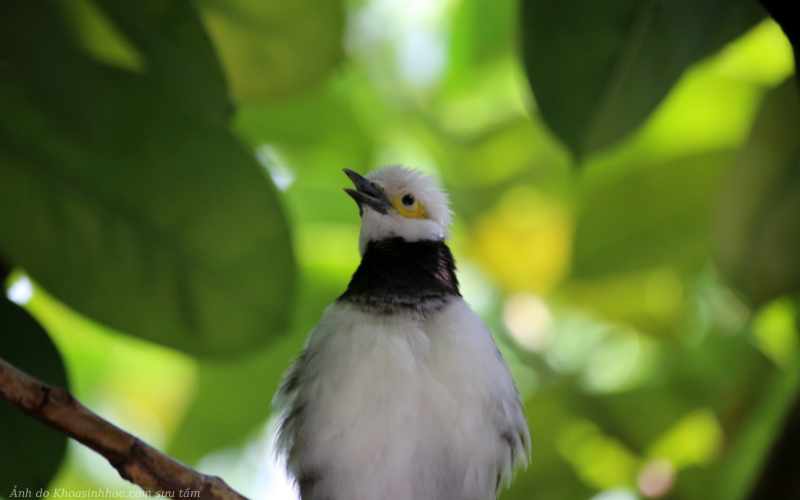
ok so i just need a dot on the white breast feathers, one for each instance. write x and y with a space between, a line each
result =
401 407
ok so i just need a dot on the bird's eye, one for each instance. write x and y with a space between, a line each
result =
408 200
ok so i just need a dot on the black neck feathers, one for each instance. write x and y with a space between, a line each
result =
397 275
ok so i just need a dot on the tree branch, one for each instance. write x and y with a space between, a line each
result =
135 460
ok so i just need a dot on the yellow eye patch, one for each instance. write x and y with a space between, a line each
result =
412 210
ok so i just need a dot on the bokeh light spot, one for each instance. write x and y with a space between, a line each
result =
613 365
529 321
775 333
281 174
525 242
656 478
21 291
695 440
615 494
600 461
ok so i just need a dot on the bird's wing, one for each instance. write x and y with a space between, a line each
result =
291 403
464 353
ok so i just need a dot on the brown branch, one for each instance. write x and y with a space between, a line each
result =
135 460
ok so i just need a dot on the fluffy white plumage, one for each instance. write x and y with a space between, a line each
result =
417 404
398 179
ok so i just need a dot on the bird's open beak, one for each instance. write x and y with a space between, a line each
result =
366 193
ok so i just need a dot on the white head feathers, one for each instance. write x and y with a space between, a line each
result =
397 181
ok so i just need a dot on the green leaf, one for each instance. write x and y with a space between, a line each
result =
758 219
598 69
248 383
271 50
129 208
30 452
653 216
245 385
178 51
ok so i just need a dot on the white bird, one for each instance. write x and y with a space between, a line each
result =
400 392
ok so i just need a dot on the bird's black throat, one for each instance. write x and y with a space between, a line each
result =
397 275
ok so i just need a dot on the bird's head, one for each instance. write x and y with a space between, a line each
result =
396 201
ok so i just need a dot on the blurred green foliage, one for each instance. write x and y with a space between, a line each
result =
624 179
130 199
758 224
631 53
